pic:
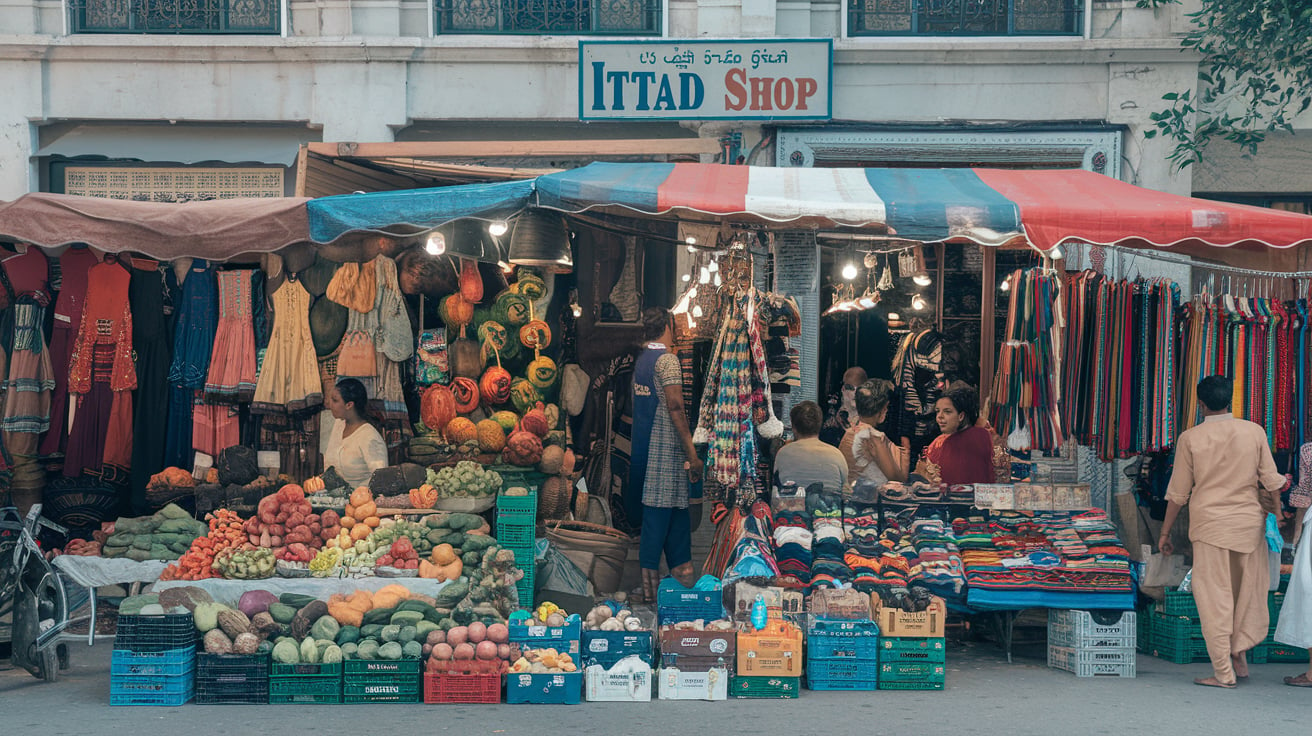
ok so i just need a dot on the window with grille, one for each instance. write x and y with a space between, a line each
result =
541 17
965 17
176 16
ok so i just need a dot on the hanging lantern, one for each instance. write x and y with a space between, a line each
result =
540 239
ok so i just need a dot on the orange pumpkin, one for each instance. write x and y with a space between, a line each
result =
535 335
466 394
438 407
491 437
423 497
495 386
460 431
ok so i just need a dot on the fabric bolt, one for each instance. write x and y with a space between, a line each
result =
231 376
152 343
289 378
1230 588
74 265
357 456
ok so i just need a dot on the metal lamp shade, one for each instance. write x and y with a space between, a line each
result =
540 239
469 238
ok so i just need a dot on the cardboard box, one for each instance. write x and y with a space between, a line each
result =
775 651
996 496
710 644
679 685
840 604
744 597
629 681
898 623
794 602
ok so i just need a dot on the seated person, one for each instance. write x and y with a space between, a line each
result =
806 460
963 453
869 453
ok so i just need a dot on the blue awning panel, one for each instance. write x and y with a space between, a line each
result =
415 210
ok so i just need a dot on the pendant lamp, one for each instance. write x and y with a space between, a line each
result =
541 239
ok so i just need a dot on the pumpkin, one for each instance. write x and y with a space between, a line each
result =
535 335
460 430
471 283
530 284
491 437
535 421
542 372
360 496
456 312
523 448
511 309
507 420
524 395
465 391
494 333
423 497
314 485
495 386
438 406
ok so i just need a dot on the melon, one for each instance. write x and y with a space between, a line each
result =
461 430
507 420
491 437
542 372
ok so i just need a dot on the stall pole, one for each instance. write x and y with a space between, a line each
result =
986 307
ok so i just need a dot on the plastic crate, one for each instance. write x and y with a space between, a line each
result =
912 649
627 682
232 668
305 689
1269 652
766 687
606 648
1178 604
277 669
155 632
525 589
1080 630
514 476
675 603
384 689
517 537
172 662
392 668
1093 662
842 674
254 691
1192 651
775 651
561 688
937 683
442 687
151 689
1274 602
561 638
675 684
1144 630
911 671
842 639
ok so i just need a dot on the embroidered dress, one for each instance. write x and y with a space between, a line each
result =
74 266
31 379
103 376
232 361
289 377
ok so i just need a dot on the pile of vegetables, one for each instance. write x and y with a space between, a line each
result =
542 662
326 562
473 649
607 618
245 563
77 548
700 625
165 535
286 518
547 614
466 479
171 478
401 555
226 531
361 516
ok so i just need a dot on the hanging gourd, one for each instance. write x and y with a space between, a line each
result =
524 395
456 312
529 284
494 334
495 385
512 309
466 393
471 282
535 335
437 407
542 373
535 421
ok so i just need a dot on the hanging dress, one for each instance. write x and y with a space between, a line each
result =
152 341
74 265
289 377
30 379
193 339
231 377
102 376
362 355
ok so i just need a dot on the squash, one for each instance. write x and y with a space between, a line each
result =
423 497
366 510
460 430
428 570
438 407
467 395
511 309
360 531
314 485
493 334
444 554
491 438
471 283
524 395
542 373
507 419
345 614
456 311
360 496
495 385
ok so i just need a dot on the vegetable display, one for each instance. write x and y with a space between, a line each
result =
226 531
165 535
467 479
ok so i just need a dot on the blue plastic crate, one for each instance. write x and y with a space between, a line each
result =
842 670
675 603
607 648
172 662
151 689
841 639
565 688
561 638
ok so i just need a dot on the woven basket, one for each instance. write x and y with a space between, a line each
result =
599 551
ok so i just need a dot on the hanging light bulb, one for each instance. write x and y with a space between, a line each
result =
436 244
918 303
704 277
849 271
497 228
894 316
1006 285
576 309
921 278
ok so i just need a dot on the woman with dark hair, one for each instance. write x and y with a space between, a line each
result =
355 448
963 453
869 453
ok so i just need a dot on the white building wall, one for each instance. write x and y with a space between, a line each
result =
359 70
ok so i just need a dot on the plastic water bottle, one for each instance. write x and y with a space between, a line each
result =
759 617
1186 585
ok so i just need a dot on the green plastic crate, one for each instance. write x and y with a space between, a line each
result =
305 689
364 669
1274 601
383 689
893 649
1270 652
1145 630
935 684
765 687
911 671
513 476
1178 604
1175 628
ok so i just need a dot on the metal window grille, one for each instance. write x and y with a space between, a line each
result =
567 17
176 16
965 17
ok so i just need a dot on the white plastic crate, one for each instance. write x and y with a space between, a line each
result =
1079 630
1094 662
710 685
628 681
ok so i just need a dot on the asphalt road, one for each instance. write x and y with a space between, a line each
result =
984 695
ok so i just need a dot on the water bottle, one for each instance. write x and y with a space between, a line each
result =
759 617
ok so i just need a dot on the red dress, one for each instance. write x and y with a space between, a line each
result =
74 266
103 376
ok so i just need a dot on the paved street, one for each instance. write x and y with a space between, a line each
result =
985 695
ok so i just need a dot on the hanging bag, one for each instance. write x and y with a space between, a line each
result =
431 364
395 337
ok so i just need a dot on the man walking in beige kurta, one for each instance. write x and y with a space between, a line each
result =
1222 467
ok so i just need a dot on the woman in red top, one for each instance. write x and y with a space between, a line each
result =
963 453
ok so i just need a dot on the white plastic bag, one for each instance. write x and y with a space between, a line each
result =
1161 571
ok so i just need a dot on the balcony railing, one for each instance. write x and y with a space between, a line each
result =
965 17
176 16
537 17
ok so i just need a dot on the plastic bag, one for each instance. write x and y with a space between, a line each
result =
1161 571
1274 542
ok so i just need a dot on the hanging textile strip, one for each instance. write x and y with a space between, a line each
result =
1238 359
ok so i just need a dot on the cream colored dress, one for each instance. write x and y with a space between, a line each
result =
289 379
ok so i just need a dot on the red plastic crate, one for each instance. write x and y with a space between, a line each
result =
440 687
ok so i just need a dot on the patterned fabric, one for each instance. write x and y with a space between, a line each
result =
232 361
30 378
918 373
107 320
665 483
1300 496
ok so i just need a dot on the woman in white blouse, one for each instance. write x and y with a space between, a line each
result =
355 448
870 455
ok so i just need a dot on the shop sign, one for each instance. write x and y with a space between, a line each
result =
773 79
